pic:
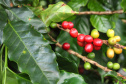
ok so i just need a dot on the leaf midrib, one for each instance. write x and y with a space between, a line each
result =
27 50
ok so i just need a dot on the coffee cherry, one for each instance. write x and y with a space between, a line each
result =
91 55
65 24
110 33
117 50
81 70
95 33
97 47
71 25
88 48
112 41
80 37
97 42
110 53
87 66
117 38
110 65
88 39
73 33
81 44
116 66
66 46
53 25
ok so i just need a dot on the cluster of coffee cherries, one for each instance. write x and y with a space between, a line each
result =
114 66
89 42
112 41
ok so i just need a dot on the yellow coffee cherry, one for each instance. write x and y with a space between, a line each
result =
117 38
117 50
110 53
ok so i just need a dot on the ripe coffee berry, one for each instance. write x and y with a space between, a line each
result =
88 48
97 42
97 47
73 33
117 50
65 25
70 25
88 39
81 44
66 46
80 37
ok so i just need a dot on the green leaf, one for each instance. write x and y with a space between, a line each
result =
65 64
112 74
123 5
5 2
3 22
76 4
13 78
31 52
101 22
124 69
120 31
81 23
56 13
26 15
70 78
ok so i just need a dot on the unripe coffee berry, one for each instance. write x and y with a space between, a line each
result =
110 65
80 37
95 33
97 47
88 39
66 46
73 33
97 42
53 25
110 33
117 38
110 53
117 50
65 24
112 41
87 66
88 48
116 66
70 25
91 55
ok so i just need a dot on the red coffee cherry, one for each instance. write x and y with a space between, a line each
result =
73 33
65 24
66 46
81 44
88 48
97 47
88 39
97 42
70 25
80 37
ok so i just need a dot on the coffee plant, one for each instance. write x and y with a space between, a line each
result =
62 41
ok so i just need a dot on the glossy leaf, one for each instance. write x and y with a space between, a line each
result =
56 13
3 22
26 15
65 64
100 22
13 78
70 78
112 74
81 23
120 31
123 5
31 52
76 4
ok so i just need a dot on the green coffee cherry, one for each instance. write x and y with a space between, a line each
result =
91 55
110 65
87 66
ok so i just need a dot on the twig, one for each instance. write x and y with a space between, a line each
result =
104 41
86 59
99 13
